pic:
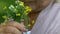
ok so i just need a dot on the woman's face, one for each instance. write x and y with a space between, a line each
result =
37 5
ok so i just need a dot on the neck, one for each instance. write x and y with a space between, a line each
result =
33 16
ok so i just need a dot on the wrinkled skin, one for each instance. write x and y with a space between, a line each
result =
12 27
17 28
9 30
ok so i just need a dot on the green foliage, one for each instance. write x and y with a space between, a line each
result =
13 9
4 4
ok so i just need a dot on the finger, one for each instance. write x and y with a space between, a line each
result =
1 29
19 26
11 30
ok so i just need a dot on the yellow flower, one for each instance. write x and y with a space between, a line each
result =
22 4
4 7
18 14
25 13
4 17
29 25
32 21
28 8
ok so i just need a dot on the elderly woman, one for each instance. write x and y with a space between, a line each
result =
48 19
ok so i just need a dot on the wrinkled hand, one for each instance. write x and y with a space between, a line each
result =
12 28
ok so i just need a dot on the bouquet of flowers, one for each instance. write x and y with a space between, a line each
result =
13 9
16 11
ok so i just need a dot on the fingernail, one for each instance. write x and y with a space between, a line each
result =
24 29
